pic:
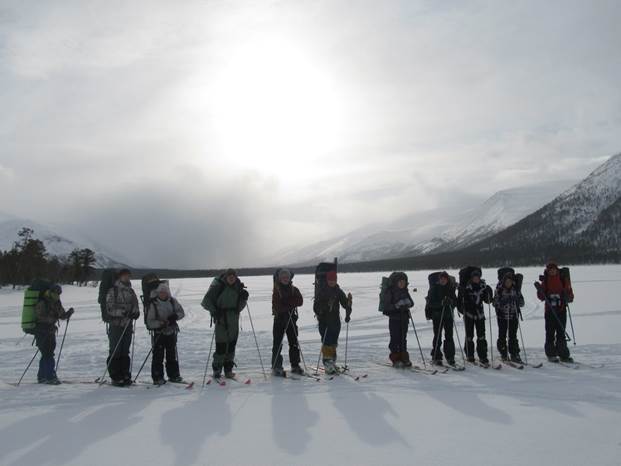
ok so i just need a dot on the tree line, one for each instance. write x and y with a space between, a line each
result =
28 259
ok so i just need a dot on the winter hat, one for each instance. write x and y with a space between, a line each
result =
552 265
284 273
475 273
230 272
444 275
331 276
163 288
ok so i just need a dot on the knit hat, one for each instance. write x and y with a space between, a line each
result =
124 272
331 276
284 273
552 265
163 288
444 275
230 272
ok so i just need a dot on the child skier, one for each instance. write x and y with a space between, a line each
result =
470 300
121 309
224 300
441 301
328 300
48 311
507 301
557 292
286 299
397 303
162 314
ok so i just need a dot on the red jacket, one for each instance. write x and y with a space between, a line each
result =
285 299
555 292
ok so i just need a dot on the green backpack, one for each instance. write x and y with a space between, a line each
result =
32 295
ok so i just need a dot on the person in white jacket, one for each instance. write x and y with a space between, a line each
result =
161 318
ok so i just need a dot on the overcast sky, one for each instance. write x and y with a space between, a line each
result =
207 133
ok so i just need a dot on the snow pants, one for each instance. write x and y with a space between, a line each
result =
330 329
45 339
481 345
440 323
398 327
119 362
283 325
508 328
227 332
556 344
164 346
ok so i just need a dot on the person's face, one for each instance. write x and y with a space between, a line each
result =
125 278
508 283
476 279
401 284
163 295
285 279
231 279
331 283
553 271
443 281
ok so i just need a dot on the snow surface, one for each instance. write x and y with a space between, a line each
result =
549 416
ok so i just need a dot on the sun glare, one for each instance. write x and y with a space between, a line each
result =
274 109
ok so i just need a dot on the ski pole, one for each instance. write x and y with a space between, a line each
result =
131 362
417 340
463 356
213 337
560 324
60 351
103 377
153 343
346 343
297 337
256 341
522 338
439 335
282 341
28 367
571 323
320 349
491 335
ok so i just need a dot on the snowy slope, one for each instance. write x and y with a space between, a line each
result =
435 230
57 241
547 416
569 217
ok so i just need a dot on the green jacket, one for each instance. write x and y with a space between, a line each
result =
328 302
222 297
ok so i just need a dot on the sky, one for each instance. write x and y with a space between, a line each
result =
212 133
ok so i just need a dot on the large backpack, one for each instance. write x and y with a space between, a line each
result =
466 273
434 279
149 283
108 279
565 276
32 295
387 282
320 275
518 278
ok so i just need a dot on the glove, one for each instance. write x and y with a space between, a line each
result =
69 313
347 318
135 315
243 295
427 313
172 319
538 286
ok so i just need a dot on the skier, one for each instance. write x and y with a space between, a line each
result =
224 300
470 300
48 311
121 309
441 301
397 303
557 293
162 315
286 299
508 300
328 300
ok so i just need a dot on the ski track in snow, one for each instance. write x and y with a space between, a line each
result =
553 415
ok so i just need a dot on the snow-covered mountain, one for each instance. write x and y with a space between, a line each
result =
584 215
59 241
436 230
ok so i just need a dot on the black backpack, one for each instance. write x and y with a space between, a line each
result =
320 275
434 279
108 279
466 273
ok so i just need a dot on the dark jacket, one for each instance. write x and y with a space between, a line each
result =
222 297
439 298
48 312
285 299
393 296
508 302
328 301
471 298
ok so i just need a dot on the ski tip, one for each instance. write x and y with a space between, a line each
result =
248 382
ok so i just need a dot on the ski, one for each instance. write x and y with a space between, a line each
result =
346 371
515 365
248 381
219 381
456 367
416 369
538 365
484 366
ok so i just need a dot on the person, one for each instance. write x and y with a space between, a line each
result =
328 300
286 299
507 301
48 311
121 308
556 293
441 301
162 315
470 303
225 299
397 304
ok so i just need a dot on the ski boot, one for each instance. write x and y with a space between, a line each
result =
53 381
437 362
117 383
568 360
450 362
484 362
470 359
229 374
296 369
516 359
127 382
398 364
554 359
177 379
330 367
159 382
217 374
279 372
405 359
